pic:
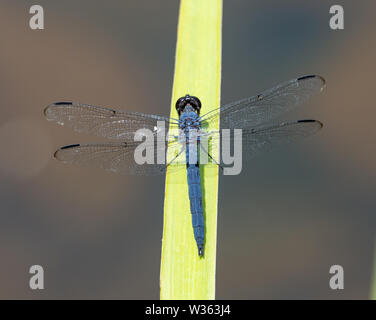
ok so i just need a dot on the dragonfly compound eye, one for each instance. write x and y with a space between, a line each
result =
180 105
183 101
195 103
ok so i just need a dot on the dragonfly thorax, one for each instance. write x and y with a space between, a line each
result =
189 119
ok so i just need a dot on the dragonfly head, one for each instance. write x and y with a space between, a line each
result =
182 102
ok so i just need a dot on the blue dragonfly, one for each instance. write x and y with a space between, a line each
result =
252 115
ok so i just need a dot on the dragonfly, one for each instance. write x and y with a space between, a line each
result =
252 115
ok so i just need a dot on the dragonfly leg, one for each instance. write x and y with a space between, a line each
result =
210 156
176 156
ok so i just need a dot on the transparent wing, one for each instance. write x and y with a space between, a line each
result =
263 138
253 111
119 157
102 121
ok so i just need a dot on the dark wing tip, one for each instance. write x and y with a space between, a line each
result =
70 146
59 103
313 76
310 120
64 148
310 76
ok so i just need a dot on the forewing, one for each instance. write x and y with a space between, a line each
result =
253 111
102 121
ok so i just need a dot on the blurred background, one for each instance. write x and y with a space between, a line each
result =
282 223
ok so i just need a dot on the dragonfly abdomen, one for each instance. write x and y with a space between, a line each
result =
195 198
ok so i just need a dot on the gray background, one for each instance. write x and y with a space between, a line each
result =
282 223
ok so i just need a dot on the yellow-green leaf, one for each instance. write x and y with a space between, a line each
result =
184 275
